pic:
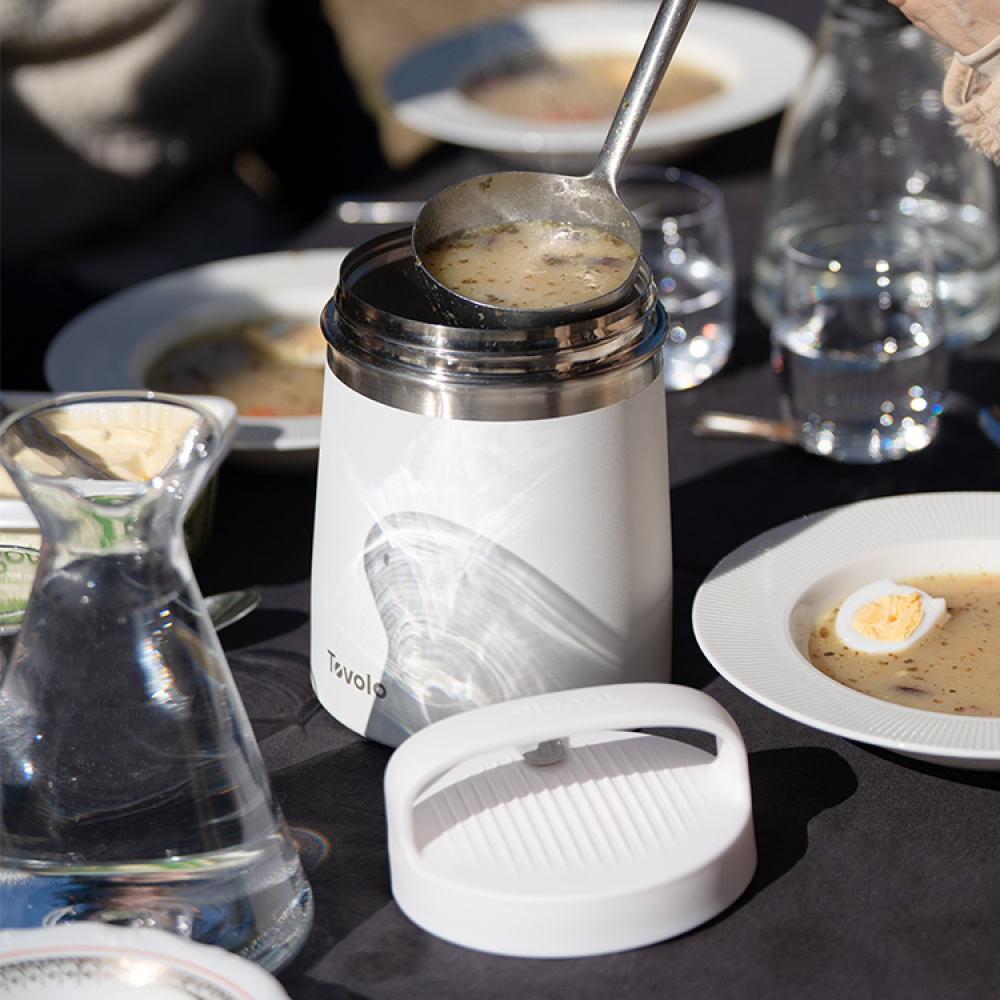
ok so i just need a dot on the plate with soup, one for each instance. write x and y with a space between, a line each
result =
878 622
245 329
542 85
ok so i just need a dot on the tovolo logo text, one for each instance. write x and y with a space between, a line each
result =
361 682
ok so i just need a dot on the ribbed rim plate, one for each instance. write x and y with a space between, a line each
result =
750 613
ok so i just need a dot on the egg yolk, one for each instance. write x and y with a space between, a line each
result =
892 618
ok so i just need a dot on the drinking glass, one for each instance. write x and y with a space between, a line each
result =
687 243
858 340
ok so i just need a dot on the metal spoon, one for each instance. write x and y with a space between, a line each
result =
230 607
377 213
224 609
591 200
714 423
717 424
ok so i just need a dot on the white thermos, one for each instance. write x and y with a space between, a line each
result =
492 516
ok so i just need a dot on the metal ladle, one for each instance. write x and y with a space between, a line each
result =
592 200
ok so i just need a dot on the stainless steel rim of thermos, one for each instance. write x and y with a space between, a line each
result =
386 343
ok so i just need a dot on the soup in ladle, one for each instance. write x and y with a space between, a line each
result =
531 264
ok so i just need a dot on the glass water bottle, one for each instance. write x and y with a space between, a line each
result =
133 791
868 129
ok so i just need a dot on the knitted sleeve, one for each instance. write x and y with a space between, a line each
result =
972 94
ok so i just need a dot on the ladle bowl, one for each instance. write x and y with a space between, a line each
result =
588 201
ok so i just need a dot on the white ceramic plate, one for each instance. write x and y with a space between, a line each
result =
753 613
110 345
94 961
760 58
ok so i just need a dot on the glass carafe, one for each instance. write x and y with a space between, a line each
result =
868 130
133 791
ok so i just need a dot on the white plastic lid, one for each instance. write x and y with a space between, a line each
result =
623 840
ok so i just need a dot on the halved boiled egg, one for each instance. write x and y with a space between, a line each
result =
884 617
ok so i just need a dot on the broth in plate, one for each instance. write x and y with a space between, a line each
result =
583 87
269 367
954 669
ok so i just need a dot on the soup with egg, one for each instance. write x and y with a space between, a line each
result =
530 264
583 87
952 668
268 368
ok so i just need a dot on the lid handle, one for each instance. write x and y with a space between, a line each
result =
438 748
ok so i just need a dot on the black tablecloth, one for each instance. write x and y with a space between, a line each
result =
878 876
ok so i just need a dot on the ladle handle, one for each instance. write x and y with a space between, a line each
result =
668 26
